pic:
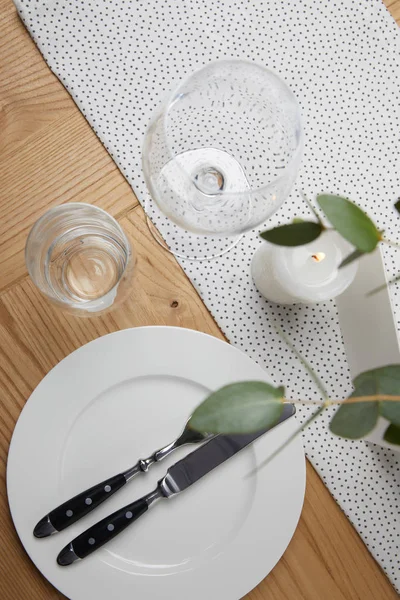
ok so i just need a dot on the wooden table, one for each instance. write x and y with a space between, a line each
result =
49 155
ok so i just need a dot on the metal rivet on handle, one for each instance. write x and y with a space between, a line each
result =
91 541
107 488
69 513
129 515
88 501
110 527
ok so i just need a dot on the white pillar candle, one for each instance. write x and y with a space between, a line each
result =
303 274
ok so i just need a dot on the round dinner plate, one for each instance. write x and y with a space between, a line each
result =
116 400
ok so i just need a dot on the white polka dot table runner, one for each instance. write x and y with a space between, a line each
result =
118 58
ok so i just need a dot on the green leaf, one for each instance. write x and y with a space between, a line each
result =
350 221
380 381
298 220
392 434
239 408
349 259
294 234
354 420
391 411
384 380
384 286
388 382
397 205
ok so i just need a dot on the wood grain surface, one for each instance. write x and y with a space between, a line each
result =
49 155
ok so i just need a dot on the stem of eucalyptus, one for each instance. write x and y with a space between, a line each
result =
305 364
326 403
390 243
384 286
307 201
350 400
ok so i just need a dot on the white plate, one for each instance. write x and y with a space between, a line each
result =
118 399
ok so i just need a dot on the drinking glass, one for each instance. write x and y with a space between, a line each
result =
80 258
221 154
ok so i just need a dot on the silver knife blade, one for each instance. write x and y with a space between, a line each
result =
209 456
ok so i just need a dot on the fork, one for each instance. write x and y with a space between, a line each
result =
82 504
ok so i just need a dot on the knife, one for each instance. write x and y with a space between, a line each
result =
178 478
82 504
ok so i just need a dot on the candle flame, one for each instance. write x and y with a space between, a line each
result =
318 256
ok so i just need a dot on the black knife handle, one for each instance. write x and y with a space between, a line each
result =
102 532
77 507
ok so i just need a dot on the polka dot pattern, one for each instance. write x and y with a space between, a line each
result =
118 60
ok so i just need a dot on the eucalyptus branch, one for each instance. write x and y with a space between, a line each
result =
390 243
355 255
303 361
372 398
322 406
384 286
255 405
311 207
350 400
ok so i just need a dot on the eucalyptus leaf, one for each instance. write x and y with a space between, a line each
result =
380 381
354 420
397 205
293 234
351 257
358 419
239 408
350 221
391 411
392 434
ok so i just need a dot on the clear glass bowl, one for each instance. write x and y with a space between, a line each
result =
223 151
